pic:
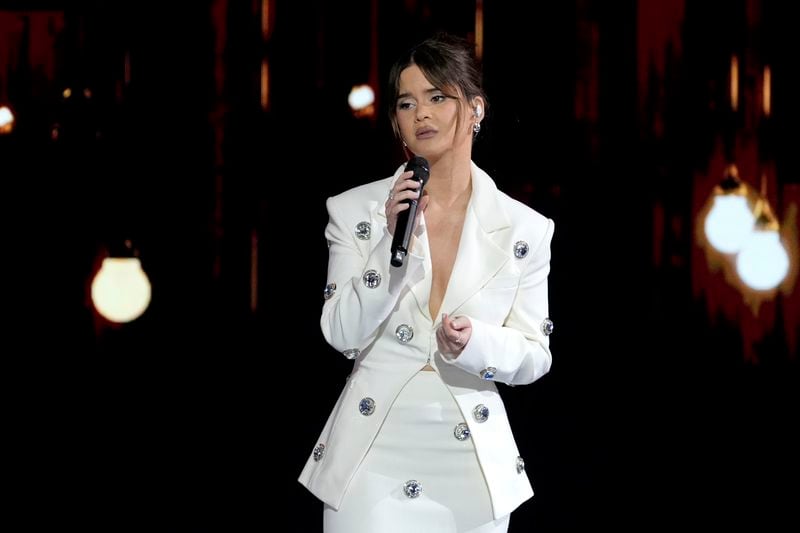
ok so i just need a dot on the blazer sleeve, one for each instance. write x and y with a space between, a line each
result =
367 286
519 350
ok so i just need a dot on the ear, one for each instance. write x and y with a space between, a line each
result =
477 107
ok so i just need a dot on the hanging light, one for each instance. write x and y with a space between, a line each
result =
763 261
121 290
362 101
6 119
730 220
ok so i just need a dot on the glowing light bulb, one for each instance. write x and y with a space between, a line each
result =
361 97
121 290
729 223
763 262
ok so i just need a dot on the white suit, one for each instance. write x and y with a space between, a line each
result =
499 280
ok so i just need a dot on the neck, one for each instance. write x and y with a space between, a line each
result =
449 181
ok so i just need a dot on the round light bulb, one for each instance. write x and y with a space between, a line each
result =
6 119
361 97
763 262
729 223
121 290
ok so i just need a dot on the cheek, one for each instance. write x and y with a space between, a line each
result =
453 125
405 124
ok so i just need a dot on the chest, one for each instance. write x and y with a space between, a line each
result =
444 237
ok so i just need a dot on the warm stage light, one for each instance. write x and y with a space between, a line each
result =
121 290
763 262
730 220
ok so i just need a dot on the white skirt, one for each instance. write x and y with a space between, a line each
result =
417 443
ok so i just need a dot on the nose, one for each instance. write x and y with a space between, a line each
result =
421 113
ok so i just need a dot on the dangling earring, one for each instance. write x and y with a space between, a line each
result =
477 114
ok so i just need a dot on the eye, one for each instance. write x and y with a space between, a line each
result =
438 98
405 105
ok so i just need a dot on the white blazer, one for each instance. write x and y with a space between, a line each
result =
499 280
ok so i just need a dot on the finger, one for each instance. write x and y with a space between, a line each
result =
397 208
404 181
442 338
410 183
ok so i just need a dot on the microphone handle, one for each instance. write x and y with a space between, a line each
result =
402 232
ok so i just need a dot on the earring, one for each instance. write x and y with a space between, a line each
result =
476 128
478 111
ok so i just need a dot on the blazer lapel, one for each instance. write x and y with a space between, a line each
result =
482 250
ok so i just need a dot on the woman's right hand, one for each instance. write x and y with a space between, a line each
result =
404 188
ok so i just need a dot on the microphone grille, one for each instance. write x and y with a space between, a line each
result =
420 167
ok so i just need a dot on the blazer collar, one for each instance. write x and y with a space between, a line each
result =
484 201
482 249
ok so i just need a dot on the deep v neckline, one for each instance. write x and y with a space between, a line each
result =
454 239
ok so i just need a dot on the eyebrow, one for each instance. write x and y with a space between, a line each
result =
427 91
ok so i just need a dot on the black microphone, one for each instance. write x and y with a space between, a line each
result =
405 220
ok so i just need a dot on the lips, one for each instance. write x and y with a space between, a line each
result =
424 133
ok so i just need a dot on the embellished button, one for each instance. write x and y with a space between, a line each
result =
547 326
363 230
352 353
480 413
404 333
330 289
488 373
412 488
520 465
366 406
461 431
319 452
520 249
371 278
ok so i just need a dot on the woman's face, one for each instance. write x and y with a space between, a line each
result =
427 117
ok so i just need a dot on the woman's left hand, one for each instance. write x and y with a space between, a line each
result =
454 334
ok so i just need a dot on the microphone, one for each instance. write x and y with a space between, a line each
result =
405 220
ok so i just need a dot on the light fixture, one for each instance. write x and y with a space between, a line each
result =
362 101
121 290
6 119
763 263
730 221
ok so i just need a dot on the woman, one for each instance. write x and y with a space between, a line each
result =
419 439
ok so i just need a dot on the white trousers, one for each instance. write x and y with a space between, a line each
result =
417 442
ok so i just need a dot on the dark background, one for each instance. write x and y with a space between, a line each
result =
659 411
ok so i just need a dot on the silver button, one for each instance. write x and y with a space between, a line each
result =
488 373
480 413
520 249
547 326
461 431
404 333
319 452
330 289
363 230
366 406
352 353
520 465
412 488
371 278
